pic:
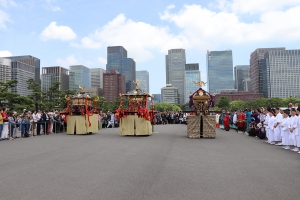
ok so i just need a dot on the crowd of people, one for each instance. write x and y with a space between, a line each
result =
280 126
171 117
34 123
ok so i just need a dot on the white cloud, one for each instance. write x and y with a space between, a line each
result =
54 31
5 53
49 6
255 6
4 17
202 26
138 38
102 60
8 3
87 43
70 60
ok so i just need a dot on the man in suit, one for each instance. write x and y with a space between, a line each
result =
45 121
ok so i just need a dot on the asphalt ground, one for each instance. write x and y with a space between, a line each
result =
166 165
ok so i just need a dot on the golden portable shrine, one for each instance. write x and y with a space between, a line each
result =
201 125
81 113
136 120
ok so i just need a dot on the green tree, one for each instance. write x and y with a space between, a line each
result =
37 95
223 103
274 102
162 107
53 97
238 105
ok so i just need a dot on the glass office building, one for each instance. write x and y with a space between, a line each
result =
281 72
79 76
22 72
117 60
169 94
219 70
192 75
241 74
175 67
143 78
54 74
128 69
5 69
30 60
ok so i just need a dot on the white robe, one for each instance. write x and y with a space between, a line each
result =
271 129
298 132
217 118
293 124
284 125
266 124
277 131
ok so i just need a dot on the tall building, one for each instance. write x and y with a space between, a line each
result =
192 75
5 70
117 60
143 77
79 76
281 72
54 74
169 94
256 76
156 98
175 67
22 72
241 73
30 60
97 77
219 70
128 69
113 85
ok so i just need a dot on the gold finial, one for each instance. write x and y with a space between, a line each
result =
200 83
137 83
67 98
81 87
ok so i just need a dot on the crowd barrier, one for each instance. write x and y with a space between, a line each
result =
32 128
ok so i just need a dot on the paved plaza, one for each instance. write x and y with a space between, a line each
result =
166 165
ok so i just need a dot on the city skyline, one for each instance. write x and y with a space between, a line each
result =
50 31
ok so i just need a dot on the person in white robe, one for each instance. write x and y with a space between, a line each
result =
266 122
277 131
271 139
284 126
298 129
293 130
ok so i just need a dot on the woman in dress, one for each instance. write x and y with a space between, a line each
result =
4 134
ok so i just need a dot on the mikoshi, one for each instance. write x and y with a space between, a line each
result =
81 113
137 118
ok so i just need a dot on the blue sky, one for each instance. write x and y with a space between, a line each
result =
65 32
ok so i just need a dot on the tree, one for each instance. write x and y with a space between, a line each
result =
162 107
223 103
238 105
37 95
53 95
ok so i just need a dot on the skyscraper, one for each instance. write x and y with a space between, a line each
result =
97 77
54 74
175 67
219 70
143 77
192 74
79 76
21 72
169 94
241 74
281 72
30 60
5 70
256 76
113 85
117 60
